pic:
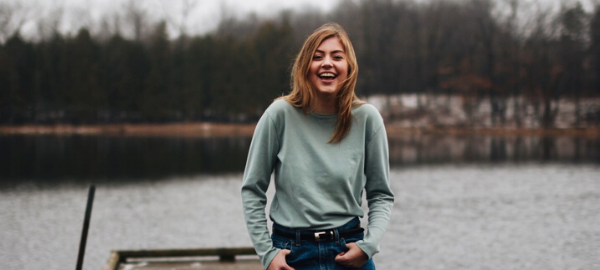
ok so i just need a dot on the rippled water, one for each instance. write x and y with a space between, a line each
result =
497 217
529 216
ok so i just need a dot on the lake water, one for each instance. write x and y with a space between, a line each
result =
462 202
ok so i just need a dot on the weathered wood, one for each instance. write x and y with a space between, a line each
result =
86 226
113 261
221 252
182 259
202 265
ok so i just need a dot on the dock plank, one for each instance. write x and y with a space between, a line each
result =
193 265
243 258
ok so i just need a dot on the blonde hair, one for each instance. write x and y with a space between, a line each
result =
303 92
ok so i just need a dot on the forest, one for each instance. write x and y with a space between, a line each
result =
482 50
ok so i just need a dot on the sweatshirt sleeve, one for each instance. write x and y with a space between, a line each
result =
257 175
378 192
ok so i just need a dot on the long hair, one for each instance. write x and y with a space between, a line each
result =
303 92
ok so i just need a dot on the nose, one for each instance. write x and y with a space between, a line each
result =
327 63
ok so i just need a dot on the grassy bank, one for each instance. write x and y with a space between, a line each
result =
222 130
172 129
589 132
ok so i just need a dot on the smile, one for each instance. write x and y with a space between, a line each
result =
327 75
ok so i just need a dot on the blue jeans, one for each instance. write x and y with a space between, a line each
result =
318 255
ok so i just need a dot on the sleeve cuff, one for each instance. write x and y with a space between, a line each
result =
367 249
266 260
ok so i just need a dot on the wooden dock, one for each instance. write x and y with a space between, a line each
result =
185 259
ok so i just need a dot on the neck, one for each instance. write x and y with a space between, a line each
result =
324 105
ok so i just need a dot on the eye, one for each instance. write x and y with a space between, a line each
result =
317 57
338 57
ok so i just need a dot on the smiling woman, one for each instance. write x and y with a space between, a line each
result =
326 149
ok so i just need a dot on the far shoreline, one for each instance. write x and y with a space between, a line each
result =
208 129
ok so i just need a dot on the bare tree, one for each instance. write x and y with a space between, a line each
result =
487 35
180 18
541 72
110 25
572 43
12 18
49 25
512 25
595 48
137 18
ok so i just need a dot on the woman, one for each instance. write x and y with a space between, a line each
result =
325 147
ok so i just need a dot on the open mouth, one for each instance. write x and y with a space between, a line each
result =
327 76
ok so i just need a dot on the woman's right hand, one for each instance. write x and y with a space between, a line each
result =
279 263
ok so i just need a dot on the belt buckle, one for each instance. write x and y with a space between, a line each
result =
321 236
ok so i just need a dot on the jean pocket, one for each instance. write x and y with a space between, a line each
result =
354 238
341 246
281 242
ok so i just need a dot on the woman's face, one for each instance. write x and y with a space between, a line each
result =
329 67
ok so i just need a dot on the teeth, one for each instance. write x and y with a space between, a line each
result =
328 75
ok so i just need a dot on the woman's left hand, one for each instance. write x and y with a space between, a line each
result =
354 257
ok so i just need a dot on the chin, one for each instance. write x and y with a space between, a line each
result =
327 91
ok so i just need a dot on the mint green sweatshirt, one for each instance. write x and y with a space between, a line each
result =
318 185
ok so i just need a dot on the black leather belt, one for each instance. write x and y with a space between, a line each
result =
326 235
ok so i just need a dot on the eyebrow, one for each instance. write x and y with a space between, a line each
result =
333 52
